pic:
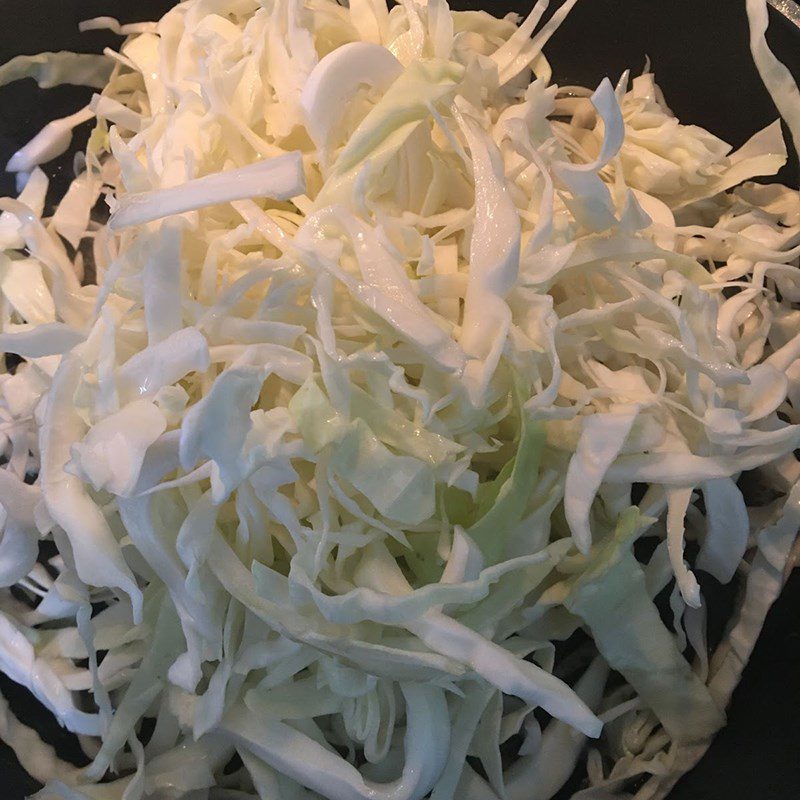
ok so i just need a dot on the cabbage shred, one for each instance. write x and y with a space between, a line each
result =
386 333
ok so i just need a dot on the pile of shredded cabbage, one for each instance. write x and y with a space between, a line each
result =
326 482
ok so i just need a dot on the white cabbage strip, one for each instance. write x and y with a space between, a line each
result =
387 334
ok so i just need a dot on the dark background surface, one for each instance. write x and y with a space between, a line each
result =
699 52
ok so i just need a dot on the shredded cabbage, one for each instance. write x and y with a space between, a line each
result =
396 366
